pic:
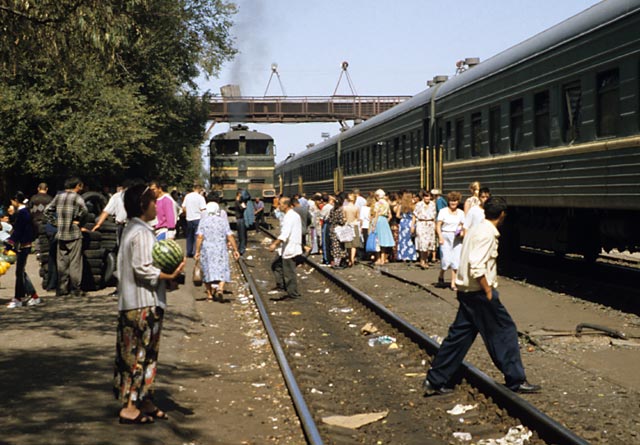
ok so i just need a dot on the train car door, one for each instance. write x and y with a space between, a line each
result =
338 180
431 157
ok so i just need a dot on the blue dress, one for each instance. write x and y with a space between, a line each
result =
406 248
214 257
382 229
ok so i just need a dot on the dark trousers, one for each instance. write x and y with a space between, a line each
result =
24 286
52 266
284 271
69 262
495 325
363 250
192 227
326 243
242 235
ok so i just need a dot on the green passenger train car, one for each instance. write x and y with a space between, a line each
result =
242 160
552 124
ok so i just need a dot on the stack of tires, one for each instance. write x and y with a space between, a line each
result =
98 249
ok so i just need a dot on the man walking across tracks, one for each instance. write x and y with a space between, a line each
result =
69 209
284 265
480 310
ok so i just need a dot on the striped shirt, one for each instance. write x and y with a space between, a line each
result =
139 285
67 207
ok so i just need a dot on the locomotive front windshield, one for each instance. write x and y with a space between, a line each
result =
252 148
227 148
258 147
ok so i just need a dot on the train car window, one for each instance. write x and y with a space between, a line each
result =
516 122
448 136
406 148
541 134
571 111
376 157
459 138
608 102
416 148
395 155
365 159
386 162
476 134
494 130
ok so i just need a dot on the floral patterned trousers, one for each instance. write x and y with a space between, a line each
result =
137 346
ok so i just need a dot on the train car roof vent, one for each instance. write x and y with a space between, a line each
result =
439 79
472 61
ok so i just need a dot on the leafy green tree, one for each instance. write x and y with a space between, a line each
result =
105 89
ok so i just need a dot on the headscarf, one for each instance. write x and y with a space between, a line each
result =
213 208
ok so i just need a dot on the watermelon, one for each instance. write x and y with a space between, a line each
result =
10 257
167 255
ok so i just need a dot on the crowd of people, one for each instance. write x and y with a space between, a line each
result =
417 228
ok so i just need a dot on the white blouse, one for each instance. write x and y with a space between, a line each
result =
450 221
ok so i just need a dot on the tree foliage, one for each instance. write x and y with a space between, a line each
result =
105 89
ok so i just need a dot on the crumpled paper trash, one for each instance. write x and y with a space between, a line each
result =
355 421
368 329
517 435
461 409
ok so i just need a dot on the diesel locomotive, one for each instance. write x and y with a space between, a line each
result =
552 124
242 159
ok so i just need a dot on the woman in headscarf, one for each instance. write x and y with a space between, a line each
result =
380 226
212 236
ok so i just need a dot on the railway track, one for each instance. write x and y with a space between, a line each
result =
331 370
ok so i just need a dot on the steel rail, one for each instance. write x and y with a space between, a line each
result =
547 428
308 424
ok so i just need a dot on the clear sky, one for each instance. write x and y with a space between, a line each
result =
393 47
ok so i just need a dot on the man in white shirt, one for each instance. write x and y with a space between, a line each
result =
193 205
480 311
115 208
288 246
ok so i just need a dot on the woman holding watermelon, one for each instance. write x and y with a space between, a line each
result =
141 309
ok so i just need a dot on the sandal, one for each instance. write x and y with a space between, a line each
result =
141 419
157 414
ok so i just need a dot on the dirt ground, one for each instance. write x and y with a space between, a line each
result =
217 377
